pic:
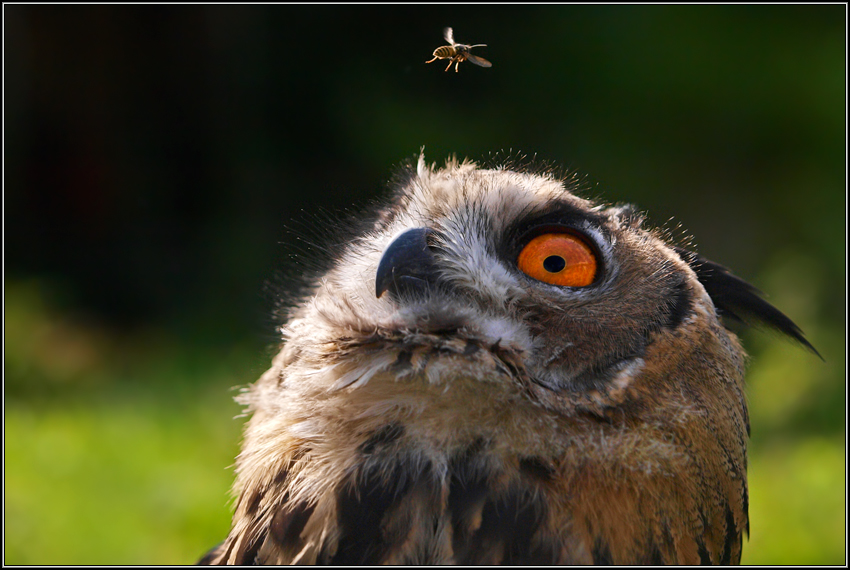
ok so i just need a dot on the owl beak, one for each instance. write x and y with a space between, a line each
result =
407 265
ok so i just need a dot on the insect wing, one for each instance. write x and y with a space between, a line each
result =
449 35
478 60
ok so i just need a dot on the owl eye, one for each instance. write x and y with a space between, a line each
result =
559 259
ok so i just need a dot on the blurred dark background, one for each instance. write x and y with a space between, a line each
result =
160 163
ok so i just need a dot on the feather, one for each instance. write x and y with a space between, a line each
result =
739 301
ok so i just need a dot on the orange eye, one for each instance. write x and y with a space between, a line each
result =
558 259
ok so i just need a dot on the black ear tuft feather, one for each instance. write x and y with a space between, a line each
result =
737 300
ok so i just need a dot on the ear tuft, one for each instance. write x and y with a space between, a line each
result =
737 300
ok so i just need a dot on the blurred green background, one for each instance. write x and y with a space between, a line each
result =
157 156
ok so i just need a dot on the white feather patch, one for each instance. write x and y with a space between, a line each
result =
359 375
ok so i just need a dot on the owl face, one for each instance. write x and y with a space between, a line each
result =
455 258
500 371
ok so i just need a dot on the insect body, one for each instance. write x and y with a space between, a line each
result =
457 53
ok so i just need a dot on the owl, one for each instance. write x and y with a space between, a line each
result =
498 371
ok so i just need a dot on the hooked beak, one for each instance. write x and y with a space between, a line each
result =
407 266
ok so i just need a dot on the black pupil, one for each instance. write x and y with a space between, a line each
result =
554 263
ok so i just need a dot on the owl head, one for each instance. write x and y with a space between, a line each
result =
498 370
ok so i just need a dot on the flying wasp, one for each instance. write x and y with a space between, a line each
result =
457 53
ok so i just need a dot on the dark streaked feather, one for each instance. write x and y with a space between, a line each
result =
246 553
383 437
681 304
737 300
467 493
362 504
704 556
509 522
601 554
732 548
492 524
538 468
287 524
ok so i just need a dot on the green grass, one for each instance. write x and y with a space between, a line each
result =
117 445
797 504
124 480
